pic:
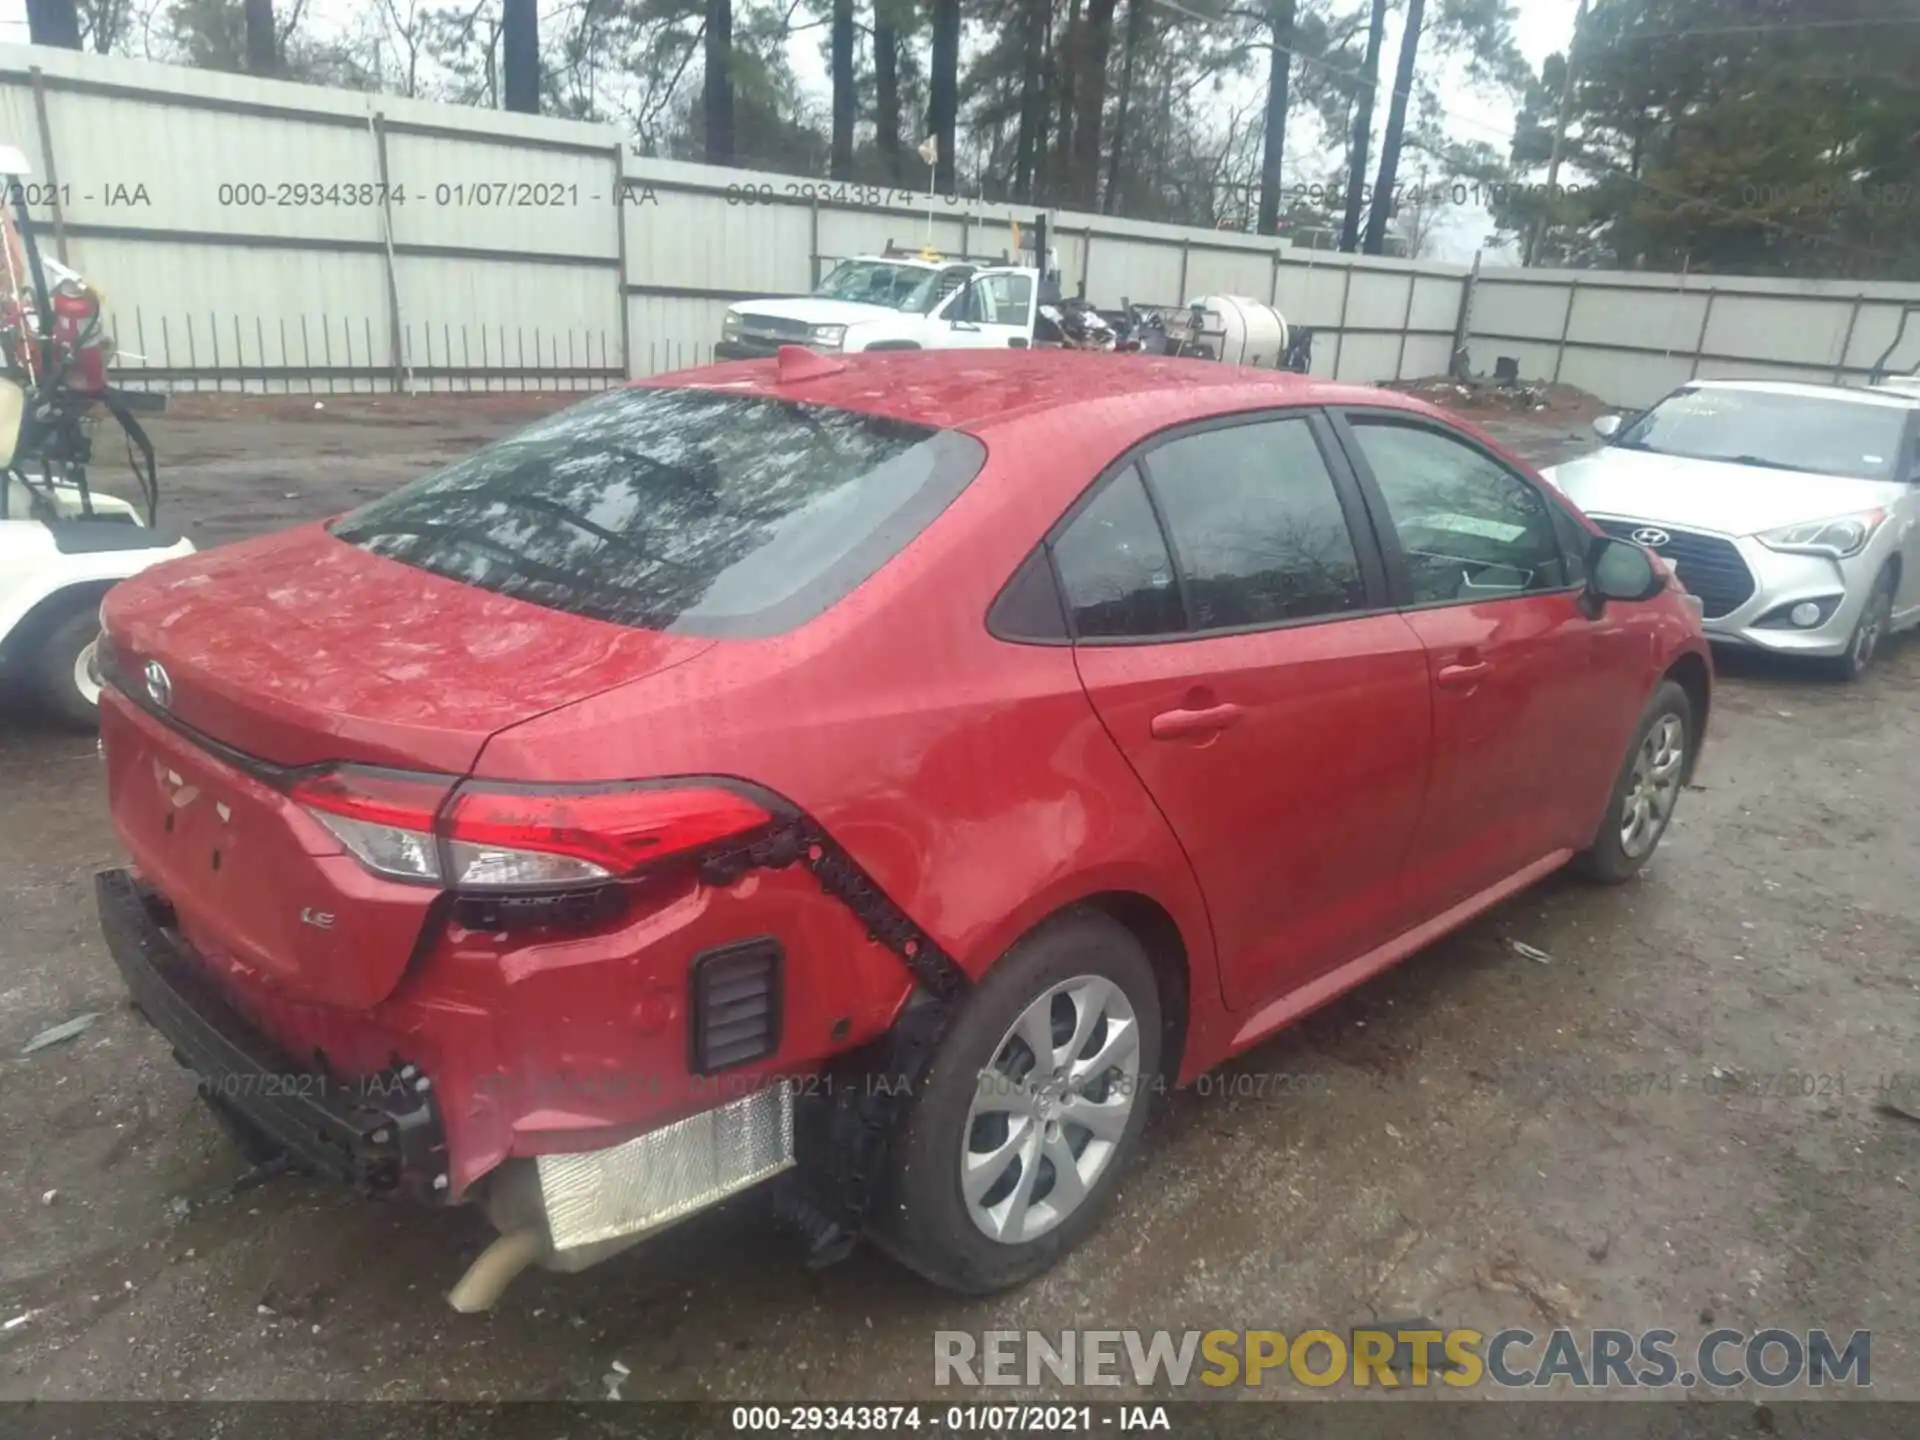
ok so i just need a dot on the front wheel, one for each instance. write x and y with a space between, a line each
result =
63 670
1015 1140
1869 631
1646 792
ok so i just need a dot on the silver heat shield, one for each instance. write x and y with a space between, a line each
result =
668 1174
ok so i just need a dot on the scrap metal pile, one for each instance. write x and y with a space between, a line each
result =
1229 328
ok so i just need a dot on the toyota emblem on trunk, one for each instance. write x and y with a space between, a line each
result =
159 685
1651 536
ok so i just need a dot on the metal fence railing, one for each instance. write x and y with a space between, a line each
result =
331 354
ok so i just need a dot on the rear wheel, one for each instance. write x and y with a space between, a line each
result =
1870 630
63 673
1015 1140
1646 792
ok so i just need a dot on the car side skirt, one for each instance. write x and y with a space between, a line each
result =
1335 983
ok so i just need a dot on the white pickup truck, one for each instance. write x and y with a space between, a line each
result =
899 300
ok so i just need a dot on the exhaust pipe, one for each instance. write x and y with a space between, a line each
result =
494 1269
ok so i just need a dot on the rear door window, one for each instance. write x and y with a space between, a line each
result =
684 510
1257 525
1114 566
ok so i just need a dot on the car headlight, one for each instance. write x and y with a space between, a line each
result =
827 337
730 326
1837 539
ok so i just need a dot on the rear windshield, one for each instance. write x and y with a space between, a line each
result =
684 510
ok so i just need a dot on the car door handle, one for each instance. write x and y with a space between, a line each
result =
1461 677
1180 724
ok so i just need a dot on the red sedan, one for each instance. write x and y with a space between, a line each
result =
892 771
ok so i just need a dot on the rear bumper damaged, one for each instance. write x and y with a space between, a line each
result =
380 1134
822 1144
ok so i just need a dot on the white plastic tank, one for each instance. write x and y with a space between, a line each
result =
1241 331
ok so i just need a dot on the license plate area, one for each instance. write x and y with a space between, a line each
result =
212 833
255 880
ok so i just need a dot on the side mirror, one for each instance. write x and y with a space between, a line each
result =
1621 570
1606 426
13 408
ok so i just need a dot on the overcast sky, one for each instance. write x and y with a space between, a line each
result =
1543 27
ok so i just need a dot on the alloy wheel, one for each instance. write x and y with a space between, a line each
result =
1654 785
1866 639
1050 1109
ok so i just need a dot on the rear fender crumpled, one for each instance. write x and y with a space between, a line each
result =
827 1198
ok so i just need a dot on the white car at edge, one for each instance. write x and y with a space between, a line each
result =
1792 511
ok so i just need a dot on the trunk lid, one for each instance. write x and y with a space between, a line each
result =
300 648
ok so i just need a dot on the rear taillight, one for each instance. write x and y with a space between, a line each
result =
383 817
473 837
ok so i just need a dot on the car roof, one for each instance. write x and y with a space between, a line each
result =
1902 399
982 391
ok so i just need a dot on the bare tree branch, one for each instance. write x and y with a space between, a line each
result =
293 19
693 47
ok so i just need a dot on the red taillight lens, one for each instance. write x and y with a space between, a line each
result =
383 797
517 838
617 830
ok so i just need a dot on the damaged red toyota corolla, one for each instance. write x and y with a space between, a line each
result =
884 774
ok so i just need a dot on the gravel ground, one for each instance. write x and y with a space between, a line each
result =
1458 1147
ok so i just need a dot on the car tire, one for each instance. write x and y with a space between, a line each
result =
60 669
1652 778
965 1106
1870 630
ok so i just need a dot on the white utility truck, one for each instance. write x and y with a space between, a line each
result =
903 299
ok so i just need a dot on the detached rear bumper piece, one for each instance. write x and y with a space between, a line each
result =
379 1134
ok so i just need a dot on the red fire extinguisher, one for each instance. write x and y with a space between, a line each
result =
79 341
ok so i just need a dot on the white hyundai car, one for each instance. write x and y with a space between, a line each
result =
1788 509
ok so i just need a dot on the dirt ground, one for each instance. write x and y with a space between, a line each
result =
1463 1150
